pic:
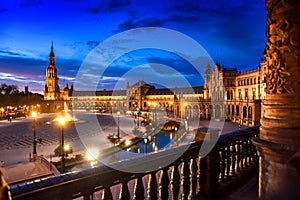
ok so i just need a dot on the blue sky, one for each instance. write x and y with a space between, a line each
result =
232 32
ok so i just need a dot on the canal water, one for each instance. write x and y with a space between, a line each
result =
155 143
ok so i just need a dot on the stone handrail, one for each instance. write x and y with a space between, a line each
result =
50 165
190 175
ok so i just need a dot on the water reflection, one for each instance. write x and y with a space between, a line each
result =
153 144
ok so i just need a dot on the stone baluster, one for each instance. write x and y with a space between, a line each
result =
246 153
164 185
175 182
228 162
243 156
152 187
202 176
88 195
233 158
107 195
212 174
238 157
185 174
223 164
124 193
250 151
193 179
139 189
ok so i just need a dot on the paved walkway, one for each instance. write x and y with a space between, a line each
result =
246 191
25 172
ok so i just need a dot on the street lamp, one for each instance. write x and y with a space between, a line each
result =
118 113
61 123
34 115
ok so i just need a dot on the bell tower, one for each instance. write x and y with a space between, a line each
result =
51 90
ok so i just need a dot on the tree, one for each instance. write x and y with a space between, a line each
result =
58 150
8 89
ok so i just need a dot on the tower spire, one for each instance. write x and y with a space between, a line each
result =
51 55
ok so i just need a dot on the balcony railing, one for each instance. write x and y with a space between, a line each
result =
188 177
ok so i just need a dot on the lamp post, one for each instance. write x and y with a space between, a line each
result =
34 115
118 113
61 123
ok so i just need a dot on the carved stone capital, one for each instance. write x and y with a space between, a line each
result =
283 46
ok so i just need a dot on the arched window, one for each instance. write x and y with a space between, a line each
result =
228 94
250 112
244 112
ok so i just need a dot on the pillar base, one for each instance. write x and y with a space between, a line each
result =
279 170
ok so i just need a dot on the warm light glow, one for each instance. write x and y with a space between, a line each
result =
61 121
153 145
155 104
127 142
33 114
92 154
118 113
171 102
67 147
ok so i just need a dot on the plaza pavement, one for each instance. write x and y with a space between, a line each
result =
15 155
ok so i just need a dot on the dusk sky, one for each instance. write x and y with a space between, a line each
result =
232 32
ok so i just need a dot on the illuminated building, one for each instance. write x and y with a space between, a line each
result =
226 94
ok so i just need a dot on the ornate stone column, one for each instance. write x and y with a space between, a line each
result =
279 142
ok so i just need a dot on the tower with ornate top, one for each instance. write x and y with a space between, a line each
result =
51 89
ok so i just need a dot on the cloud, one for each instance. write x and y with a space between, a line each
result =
16 78
68 78
146 22
10 53
108 6
92 44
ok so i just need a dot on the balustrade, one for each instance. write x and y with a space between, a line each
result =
200 177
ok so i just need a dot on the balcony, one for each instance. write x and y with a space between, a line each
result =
189 177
